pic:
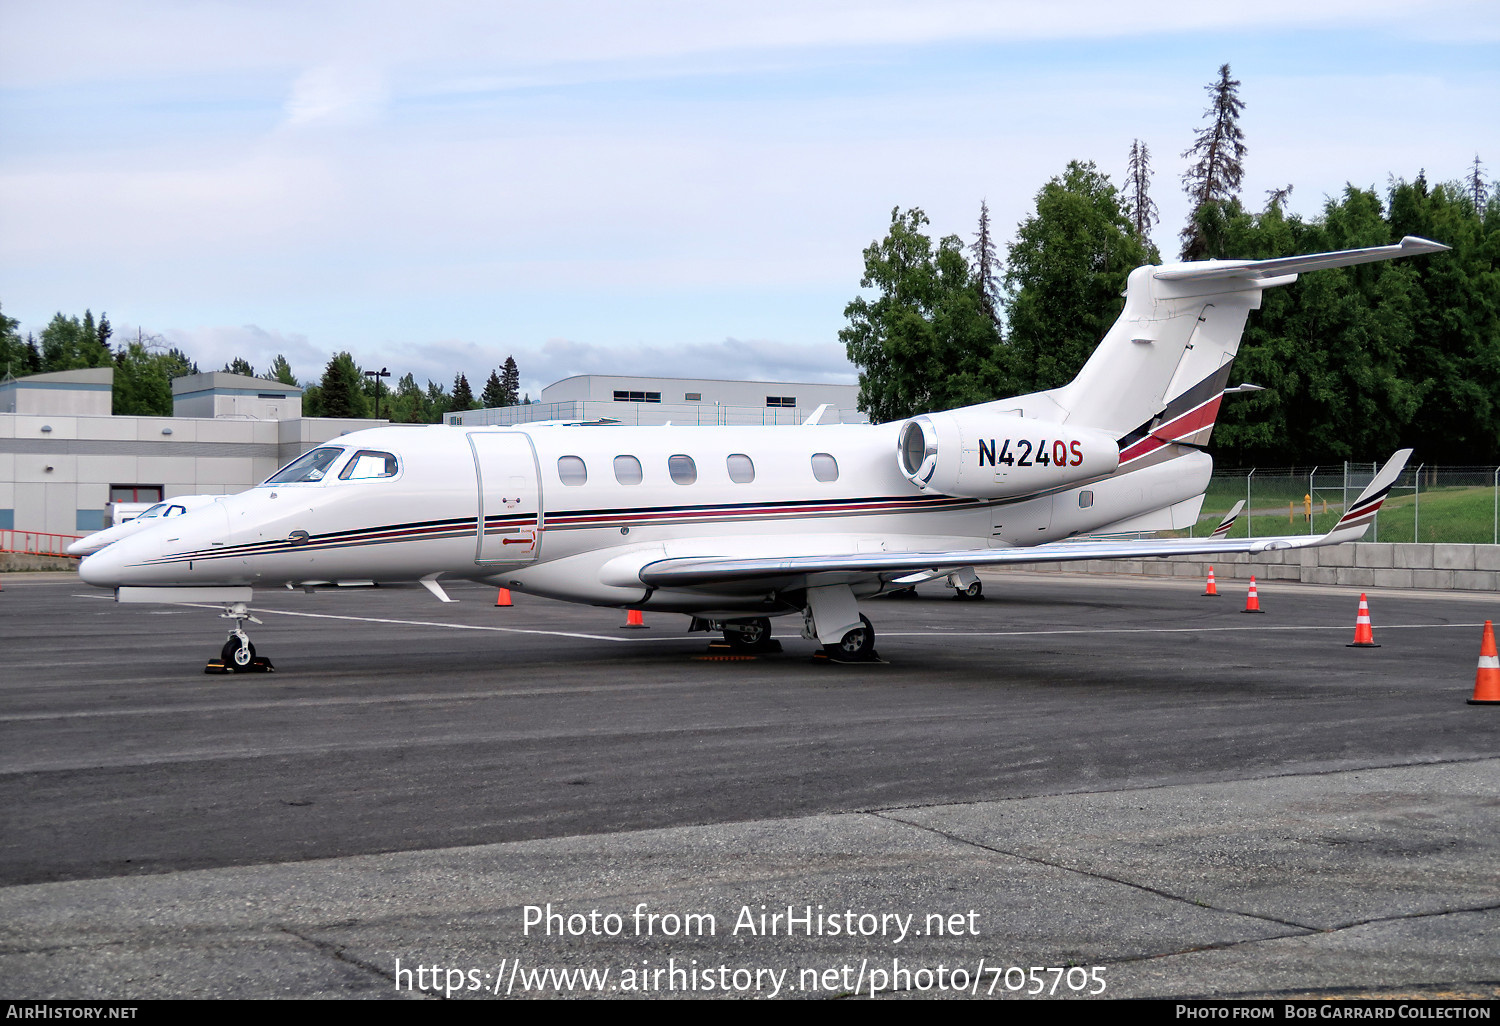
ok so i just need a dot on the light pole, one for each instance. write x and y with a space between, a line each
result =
377 375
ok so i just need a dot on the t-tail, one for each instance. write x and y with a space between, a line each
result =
1161 371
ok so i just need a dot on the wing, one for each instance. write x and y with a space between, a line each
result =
905 567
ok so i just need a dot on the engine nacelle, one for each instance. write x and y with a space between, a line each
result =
995 456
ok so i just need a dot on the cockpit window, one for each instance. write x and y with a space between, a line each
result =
159 510
367 464
310 466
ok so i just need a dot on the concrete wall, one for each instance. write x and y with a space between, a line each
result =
1359 565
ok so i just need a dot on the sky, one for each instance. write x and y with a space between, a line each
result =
656 187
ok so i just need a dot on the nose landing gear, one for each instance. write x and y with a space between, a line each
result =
238 654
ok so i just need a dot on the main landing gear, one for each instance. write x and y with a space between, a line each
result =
832 617
238 654
857 646
748 636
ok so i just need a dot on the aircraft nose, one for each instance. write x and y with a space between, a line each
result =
102 569
146 559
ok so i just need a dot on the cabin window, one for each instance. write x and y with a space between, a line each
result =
310 466
368 464
1085 499
825 467
627 470
741 469
682 468
572 471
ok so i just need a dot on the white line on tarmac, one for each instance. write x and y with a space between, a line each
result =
943 633
1162 630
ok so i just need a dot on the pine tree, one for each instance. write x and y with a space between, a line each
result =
1276 198
342 389
239 365
510 381
493 396
105 332
1477 191
1218 155
1138 203
463 396
985 264
281 371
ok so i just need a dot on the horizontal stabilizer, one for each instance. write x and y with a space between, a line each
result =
1255 270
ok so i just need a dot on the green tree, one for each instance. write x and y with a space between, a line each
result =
493 395
72 344
281 371
1218 155
439 402
239 365
510 381
1138 204
15 359
926 342
1065 275
341 392
463 396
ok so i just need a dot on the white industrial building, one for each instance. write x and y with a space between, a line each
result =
640 400
64 458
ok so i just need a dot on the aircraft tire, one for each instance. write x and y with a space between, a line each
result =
237 656
974 592
753 636
856 645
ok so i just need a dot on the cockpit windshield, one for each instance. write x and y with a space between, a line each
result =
152 512
310 466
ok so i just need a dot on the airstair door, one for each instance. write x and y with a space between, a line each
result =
509 528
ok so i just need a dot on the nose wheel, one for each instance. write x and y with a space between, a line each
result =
238 654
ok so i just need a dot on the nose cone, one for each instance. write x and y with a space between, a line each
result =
164 554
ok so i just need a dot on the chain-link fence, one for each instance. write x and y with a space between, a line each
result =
1428 503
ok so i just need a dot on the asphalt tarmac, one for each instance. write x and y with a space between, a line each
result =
1085 772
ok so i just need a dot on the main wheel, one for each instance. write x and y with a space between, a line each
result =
971 591
750 636
237 656
856 645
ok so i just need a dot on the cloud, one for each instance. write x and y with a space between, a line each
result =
213 347
335 94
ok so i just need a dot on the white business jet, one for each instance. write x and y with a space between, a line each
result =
735 525
149 517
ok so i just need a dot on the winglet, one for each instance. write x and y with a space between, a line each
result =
1222 531
1361 512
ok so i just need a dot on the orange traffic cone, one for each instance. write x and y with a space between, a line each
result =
1252 600
502 599
1364 634
1487 677
1212 591
634 621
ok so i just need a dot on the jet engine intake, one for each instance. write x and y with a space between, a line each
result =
995 456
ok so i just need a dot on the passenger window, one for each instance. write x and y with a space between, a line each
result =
682 468
741 469
367 465
572 471
627 470
825 467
